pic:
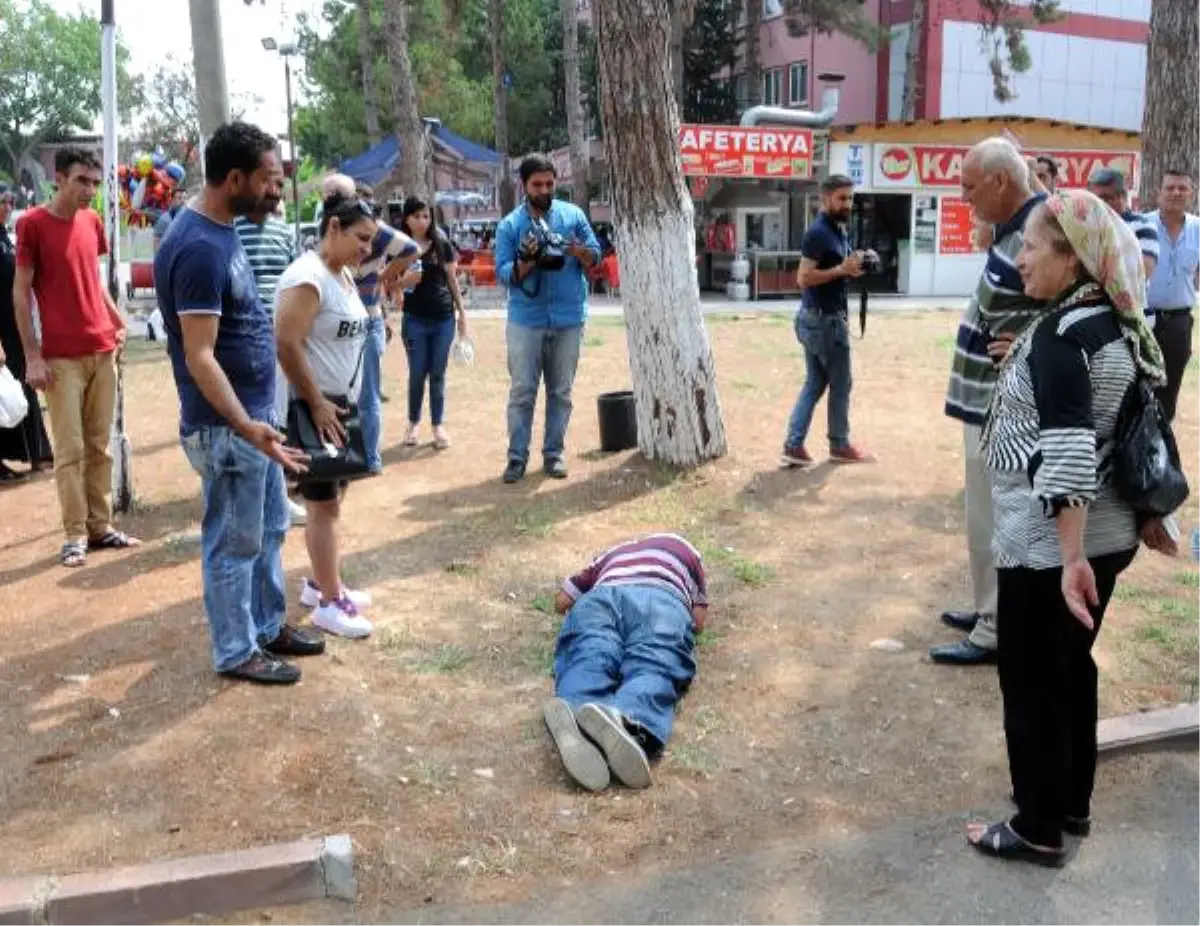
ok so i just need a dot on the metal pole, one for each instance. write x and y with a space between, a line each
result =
122 479
287 76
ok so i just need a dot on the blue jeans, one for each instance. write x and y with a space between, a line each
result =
245 521
534 354
427 342
371 377
629 647
826 341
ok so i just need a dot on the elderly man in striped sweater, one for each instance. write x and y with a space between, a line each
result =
624 657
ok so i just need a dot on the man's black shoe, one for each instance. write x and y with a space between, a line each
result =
265 670
292 641
962 653
555 468
961 620
514 472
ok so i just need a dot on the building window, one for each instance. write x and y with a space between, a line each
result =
741 91
772 8
772 86
798 83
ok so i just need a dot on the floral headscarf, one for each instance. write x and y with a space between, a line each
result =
1110 253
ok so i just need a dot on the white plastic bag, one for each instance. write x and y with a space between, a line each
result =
464 352
13 404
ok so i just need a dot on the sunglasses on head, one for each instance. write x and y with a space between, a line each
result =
354 206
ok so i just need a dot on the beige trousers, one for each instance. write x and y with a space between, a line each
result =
80 401
979 538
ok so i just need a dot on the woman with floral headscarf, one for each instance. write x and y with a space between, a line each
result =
1062 534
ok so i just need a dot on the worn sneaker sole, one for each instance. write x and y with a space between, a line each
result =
625 757
790 463
581 759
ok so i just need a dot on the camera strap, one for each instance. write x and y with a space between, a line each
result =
862 312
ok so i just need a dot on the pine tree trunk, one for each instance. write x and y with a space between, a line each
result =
670 358
410 133
366 60
912 62
677 30
576 131
1171 122
508 200
754 87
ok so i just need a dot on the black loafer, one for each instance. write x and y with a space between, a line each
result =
961 620
555 468
265 670
292 641
514 472
962 653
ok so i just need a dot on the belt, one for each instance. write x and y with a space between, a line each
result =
1168 309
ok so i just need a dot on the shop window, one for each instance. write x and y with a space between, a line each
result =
798 83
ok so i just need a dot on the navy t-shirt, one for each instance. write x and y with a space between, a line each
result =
826 245
201 269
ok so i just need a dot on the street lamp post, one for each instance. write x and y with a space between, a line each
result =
286 50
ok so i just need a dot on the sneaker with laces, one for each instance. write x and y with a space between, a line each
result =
341 618
796 458
850 454
310 595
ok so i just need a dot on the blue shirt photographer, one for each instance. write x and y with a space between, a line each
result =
545 298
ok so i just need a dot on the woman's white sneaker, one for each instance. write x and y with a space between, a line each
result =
310 595
341 618
297 513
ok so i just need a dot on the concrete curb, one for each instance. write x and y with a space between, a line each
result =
222 883
1170 728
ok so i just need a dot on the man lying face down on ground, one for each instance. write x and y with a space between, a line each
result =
624 657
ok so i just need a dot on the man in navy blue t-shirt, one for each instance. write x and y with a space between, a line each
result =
823 328
222 347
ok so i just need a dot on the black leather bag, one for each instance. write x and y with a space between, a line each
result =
327 462
1146 468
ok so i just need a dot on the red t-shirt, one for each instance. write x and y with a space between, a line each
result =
66 281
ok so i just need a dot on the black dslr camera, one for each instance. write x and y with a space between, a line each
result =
871 263
543 247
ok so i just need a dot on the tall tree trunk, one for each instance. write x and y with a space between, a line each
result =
508 197
410 133
208 59
754 87
912 61
670 358
1170 123
677 30
366 61
576 128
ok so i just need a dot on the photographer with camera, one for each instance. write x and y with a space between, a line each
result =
544 248
823 327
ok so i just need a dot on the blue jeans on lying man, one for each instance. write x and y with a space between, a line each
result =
826 341
370 396
629 647
427 343
245 520
535 354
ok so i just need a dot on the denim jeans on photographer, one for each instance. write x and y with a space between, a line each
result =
370 411
826 342
535 354
245 521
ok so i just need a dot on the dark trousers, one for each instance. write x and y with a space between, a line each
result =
1173 331
1048 680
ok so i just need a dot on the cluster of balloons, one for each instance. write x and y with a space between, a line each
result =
147 185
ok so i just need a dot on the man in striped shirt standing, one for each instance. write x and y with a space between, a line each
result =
624 657
995 181
1108 184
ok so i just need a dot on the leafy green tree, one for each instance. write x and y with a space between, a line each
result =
709 47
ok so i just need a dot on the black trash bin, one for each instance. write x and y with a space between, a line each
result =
618 421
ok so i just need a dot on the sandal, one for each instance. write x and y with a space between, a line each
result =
413 436
441 440
113 540
1000 840
73 554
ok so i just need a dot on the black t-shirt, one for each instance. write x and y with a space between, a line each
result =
826 244
431 297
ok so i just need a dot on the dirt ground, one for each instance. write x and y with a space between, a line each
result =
118 744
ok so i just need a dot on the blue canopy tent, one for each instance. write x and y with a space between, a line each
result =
376 164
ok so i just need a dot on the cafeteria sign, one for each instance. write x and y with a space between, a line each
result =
941 165
745 151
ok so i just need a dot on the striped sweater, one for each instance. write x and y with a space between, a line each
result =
998 305
665 561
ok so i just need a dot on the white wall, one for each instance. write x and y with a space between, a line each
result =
1135 10
1089 81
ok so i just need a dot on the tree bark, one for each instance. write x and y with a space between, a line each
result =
576 129
410 170
677 30
1170 122
670 358
366 61
912 61
212 95
508 198
754 87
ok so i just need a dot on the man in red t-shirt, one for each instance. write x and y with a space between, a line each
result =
75 362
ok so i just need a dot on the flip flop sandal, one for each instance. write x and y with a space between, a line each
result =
999 840
74 554
112 540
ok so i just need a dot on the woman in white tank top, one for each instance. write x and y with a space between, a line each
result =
320 329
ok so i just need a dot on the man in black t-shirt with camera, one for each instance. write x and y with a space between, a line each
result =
822 327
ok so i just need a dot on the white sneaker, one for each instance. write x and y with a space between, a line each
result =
298 513
625 757
310 595
341 618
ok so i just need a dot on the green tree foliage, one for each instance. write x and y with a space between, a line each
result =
50 77
710 47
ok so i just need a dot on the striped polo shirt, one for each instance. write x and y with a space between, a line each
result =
998 305
387 246
270 248
1144 230
665 561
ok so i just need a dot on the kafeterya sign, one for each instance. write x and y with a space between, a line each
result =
916 166
745 151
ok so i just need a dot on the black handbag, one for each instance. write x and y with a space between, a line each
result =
1146 467
328 462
